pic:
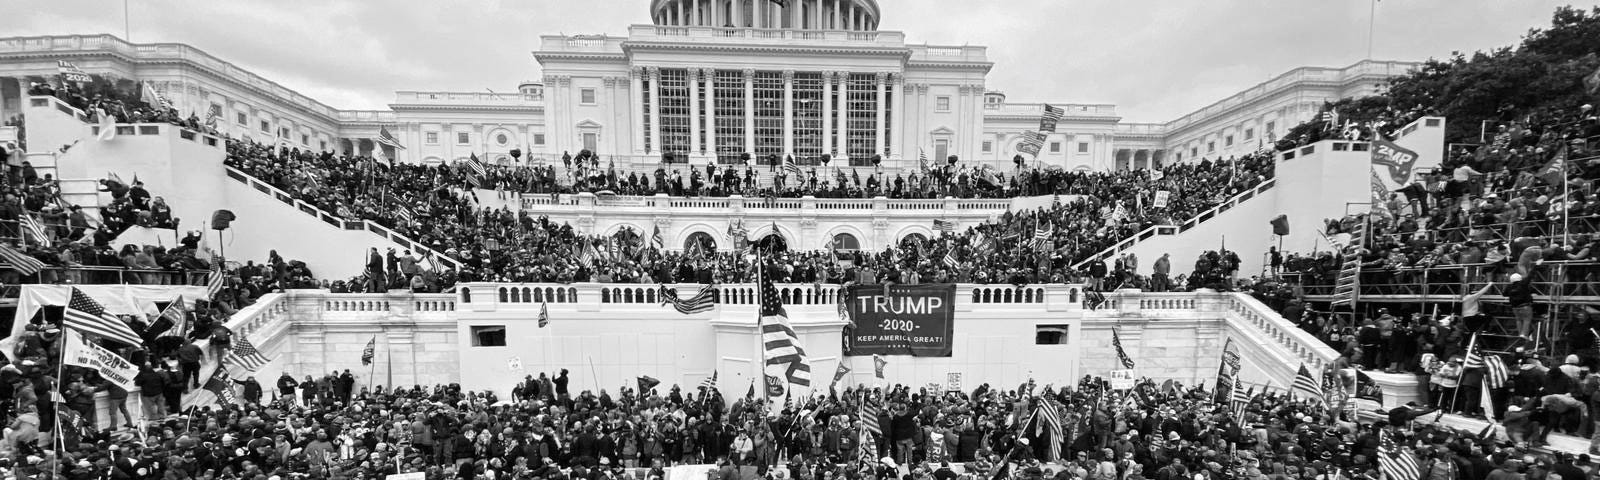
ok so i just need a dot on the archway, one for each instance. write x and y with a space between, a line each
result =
846 242
705 241
912 239
772 242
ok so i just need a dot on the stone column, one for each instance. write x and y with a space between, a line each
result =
838 15
694 111
750 111
897 107
827 111
710 76
840 143
877 122
635 110
788 112
611 140
655 111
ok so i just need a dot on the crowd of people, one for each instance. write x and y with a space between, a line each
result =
437 206
126 103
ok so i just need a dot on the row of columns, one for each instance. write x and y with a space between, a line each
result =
832 125
844 14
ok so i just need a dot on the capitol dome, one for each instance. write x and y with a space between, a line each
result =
858 15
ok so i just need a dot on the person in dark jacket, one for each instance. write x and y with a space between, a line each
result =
151 385
1520 295
286 386
189 357
252 390
174 389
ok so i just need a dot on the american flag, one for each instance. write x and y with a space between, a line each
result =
19 261
87 316
922 159
785 356
946 226
950 258
403 213
544 314
214 282
34 229
869 417
588 255
1052 115
179 316
1307 385
1041 233
868 450
476 171
701 302
710 383
386 138
371 351
1395 462
1240 397
1494 368
1116 341
245 355
789 167
1050 421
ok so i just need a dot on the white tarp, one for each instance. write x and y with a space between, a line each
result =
118 300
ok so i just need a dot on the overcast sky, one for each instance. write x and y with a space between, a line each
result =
1154 60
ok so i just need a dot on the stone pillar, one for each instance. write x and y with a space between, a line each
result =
693 75
838 15
655 111
897 108
612 141
750 111
401 361
788 112
877 121
635 110
827 111
710 146
840 142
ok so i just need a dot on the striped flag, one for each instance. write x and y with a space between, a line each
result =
34 229
386 138
922 159
370 351
475 171
404 215
87 316
154 98
868 449
946 226
544 314
869 417
701 302
785 356
1041 233
710 383
1494 368
950 259
1122 356
1050 421
178 316
214 282
1240 398
1307 385
789 167
1052 115
1395 462
19 261
244 354
588 255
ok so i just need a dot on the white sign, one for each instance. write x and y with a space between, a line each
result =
111 366
1162 196
515 364
408 476
1121 379
953 381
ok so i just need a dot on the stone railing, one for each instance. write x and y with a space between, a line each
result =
586 202
133 129
601 297
53 102
1261 323
1162 230
763 35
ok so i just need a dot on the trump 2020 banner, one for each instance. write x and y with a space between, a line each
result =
916 320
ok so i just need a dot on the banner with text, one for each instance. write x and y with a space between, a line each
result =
916 320
111 366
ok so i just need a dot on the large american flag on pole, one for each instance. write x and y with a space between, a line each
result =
1394 461
245 355
1307 385
1047 122
1122 356
87 316
785 356
1050 421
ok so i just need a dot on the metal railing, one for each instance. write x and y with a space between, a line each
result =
1161 230
1550 281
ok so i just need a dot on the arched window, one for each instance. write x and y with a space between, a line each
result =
707 243
911 240
846 242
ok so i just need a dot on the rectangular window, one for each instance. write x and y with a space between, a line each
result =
266 127
1211 147
305 139
1271 126
591 141
1194 152
941 150
488 335
1051 334
1055 147
1249 134
1227 141
1180 156
283 132
242 119
322 145
861 112
674 98
586 95
431 138
988 146
942 104
807 108
463 138
538 139
1083 147
729 134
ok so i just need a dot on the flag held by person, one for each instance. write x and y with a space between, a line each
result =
386 138
657 241
244 355
176 316
1554 172
71 73
214 282
1052 115
877 365
785 357
370 351
646 383
544 314
1394 461
21 262
710 383
701 302
1307 386
840 371
35 229
87 316
946 226
1122 355
220 385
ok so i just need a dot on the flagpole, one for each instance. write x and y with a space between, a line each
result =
1372 21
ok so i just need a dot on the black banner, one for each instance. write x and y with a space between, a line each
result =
916 320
